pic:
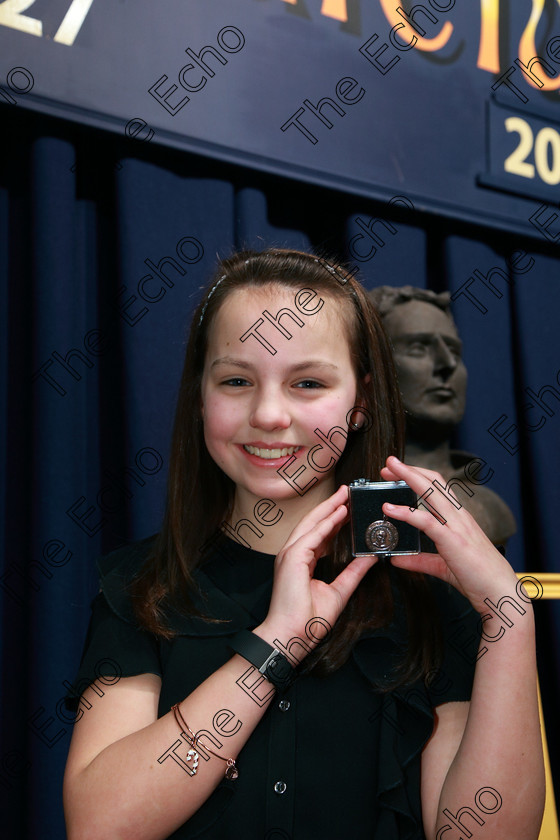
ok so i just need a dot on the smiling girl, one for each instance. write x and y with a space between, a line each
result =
389 727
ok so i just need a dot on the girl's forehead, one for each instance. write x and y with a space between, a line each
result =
265 294
295 320
298 302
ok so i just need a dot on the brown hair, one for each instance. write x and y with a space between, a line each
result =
200 496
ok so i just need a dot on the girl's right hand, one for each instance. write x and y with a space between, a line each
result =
296 596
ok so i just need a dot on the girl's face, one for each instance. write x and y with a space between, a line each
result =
261 408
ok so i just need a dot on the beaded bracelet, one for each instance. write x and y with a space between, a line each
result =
231 770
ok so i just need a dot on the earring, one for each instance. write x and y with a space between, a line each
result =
355 425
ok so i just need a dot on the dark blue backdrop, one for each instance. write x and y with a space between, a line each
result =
85 221
357 95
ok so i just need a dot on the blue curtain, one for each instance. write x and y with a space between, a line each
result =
104 246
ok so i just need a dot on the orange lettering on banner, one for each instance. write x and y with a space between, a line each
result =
489 47
408 32
528 51
410 28
337 9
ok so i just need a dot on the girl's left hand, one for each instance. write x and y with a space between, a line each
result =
466 558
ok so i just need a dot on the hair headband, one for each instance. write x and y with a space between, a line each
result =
210 293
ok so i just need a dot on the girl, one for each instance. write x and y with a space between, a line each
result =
270 686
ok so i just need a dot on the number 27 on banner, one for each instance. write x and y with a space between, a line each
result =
11 15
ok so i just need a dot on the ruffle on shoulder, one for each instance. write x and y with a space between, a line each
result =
118 569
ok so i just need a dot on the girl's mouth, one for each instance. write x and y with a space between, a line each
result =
270 454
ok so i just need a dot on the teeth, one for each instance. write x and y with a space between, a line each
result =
270 453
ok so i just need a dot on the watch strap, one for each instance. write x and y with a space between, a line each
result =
268 660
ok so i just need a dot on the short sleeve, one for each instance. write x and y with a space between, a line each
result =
461 627
113 648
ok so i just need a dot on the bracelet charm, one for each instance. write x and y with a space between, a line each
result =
231 769
194 755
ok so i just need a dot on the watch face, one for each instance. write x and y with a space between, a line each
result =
278 670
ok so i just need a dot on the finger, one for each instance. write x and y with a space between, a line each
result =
388 475
401 469
421 480
323 510
431 564
312 540
423 519
424 482
347 581
324 548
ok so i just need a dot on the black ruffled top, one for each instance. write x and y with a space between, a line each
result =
332 756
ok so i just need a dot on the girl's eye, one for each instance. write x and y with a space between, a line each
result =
308 384
235 381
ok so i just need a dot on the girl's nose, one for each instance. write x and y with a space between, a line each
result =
269 411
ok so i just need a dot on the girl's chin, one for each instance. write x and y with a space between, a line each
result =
264 478
276 491
279 489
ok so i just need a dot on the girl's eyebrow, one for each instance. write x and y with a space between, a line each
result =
230 360
315 363
233 362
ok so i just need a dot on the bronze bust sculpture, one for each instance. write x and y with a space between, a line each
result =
433 380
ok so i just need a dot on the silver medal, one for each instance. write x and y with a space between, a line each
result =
381 536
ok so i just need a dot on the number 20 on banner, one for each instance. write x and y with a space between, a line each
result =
11 15
546 141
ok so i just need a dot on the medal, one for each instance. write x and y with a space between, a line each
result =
381 536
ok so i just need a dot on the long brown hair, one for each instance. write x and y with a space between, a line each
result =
200 496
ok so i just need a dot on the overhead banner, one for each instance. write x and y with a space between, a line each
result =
450 103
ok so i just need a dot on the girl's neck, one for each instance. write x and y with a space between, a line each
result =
274 520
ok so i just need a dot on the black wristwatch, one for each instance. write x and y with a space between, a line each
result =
269 661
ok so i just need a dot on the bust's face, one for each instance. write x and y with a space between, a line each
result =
427 353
